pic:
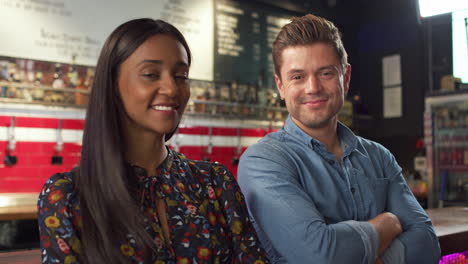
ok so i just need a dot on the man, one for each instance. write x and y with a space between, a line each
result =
316 192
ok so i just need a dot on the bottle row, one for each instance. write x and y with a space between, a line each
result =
456 138
39 81
453 156
452 116
30 93
31 81
454 186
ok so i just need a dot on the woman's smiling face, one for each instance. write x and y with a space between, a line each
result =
153 85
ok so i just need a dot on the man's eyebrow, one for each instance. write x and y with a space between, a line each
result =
294 71
328 67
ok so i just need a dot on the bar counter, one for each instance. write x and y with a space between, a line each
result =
451 226
450 223
17 206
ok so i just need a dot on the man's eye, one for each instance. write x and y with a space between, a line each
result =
296 77
327 74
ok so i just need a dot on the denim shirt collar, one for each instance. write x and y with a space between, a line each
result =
347 138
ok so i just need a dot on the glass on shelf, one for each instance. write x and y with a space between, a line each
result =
40 82
68 85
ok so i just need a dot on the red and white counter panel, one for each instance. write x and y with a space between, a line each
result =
38 141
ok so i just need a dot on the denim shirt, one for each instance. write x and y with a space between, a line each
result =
309 208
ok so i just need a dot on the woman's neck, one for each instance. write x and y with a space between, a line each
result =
147 150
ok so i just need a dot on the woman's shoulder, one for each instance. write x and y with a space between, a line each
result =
208 170
59 217
202 166
64 179
58 189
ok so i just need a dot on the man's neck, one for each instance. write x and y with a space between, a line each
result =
327 135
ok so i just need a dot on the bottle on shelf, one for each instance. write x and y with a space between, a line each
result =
206 95
3 77
57 83
28 77
460 188
86 85
81 98
234 88
73 79
465 151
200 94
252 99
13 77
38 93
244 99
225 97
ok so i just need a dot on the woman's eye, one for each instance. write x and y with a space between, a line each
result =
181 78
152 76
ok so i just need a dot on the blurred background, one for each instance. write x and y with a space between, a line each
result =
409 90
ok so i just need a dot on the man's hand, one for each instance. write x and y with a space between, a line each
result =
388 226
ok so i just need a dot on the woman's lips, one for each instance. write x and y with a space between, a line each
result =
165 108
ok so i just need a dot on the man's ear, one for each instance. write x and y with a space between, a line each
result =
347 79
279 85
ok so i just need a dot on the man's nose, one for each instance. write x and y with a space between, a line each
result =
312 85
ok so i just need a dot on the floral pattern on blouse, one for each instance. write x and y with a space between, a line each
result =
206 214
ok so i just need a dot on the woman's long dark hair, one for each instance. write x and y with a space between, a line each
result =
109 211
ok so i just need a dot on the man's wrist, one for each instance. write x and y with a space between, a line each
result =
388 227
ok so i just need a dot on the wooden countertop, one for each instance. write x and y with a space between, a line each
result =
449 220
16 206
21 257
451 227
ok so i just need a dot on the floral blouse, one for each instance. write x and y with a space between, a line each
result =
206 214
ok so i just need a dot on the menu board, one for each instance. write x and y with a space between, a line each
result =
243 36
230 40
58 30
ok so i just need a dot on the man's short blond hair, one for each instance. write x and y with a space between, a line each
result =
308 29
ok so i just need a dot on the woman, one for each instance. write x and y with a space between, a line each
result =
132 199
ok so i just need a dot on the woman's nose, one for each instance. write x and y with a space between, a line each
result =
168 86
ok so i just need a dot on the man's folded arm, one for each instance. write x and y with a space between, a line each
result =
290 219
418 239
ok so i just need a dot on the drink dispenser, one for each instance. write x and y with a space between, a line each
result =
11 159
56 158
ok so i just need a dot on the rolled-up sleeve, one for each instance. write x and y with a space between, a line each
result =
419 242
289 219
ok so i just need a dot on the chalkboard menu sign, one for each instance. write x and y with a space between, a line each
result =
230 40
59 30
243 35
